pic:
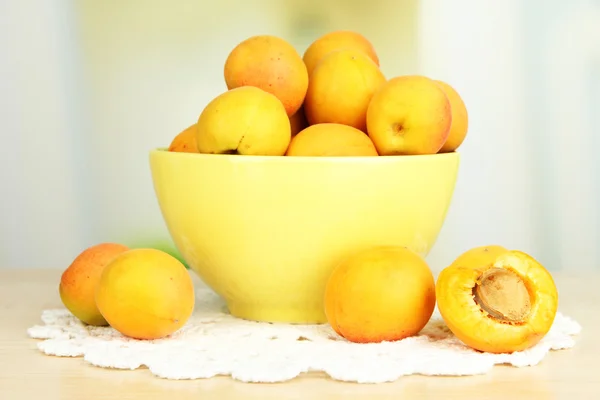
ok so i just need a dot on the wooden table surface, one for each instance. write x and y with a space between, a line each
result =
25 373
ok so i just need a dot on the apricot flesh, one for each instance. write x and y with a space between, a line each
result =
479 255
384 293
78 282
497 300
145 294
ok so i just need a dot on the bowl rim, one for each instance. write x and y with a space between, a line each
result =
163 152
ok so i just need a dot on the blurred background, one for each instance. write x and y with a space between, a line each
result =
89 87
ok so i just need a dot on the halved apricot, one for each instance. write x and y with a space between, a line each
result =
497 300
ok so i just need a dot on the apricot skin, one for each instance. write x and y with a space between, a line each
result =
384 293
331 140
271 64
474 326
337 40
341 87
298 121
460 119
409 115
482 255
246 121
78 282
185 141
145 294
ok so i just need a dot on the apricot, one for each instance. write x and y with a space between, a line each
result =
480 255
337 40
246 120
185 141
78 282
497 300
331 140
269 63
298 121
383 293
341 87
145 294
460 119
409 115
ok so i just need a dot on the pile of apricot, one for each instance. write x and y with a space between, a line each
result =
493 299
332 101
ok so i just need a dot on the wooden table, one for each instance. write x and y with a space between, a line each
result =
25 373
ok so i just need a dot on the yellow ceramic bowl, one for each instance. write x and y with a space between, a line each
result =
266 232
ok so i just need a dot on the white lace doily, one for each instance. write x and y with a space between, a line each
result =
215 343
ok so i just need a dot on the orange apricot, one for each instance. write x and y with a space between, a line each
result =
245 121
384 293
145 294
337 40
341 87
298 121
185 141
78 282
331 140
409 115
497 300
271 64
480 255
460 119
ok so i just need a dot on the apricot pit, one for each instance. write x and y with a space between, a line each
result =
503 295
497 300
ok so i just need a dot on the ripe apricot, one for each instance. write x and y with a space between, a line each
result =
298 121
337 40
185 141
384 293
246 120
341 87
479 255
497 300
269 63
329 140
409 115
460 119
78 282
145 294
